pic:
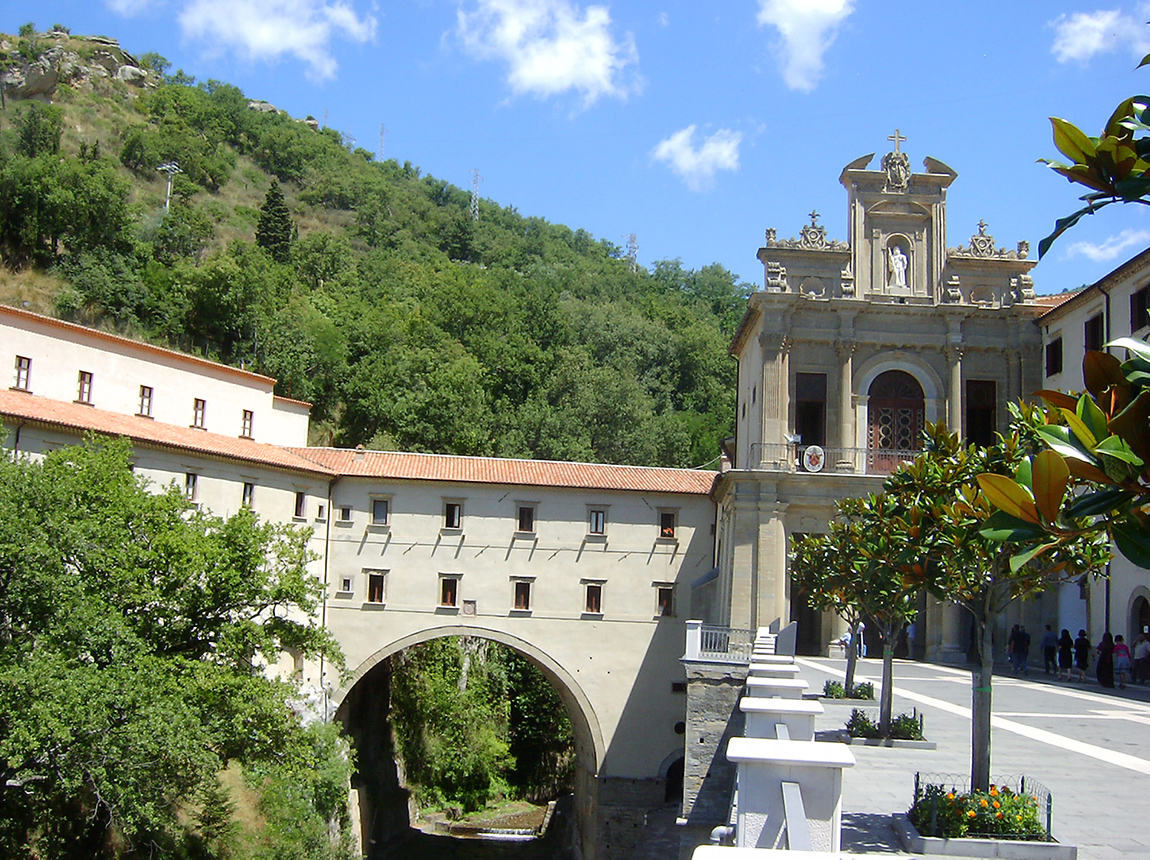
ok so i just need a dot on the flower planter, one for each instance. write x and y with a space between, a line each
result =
892 742
1012 849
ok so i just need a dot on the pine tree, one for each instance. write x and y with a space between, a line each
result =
274 230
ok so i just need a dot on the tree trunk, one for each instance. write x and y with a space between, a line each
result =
852 653
980 701
886 704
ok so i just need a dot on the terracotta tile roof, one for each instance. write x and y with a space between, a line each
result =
280 399
19 406
137 344
1050 302
493 470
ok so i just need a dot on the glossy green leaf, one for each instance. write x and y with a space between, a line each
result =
1114 446
1133 541
1024 474
1007 495
1133 425
1101 502
1002 527
1079 429
1063 441
1019 561
1101 370
1071 141
1136 347
1092 417
1063 224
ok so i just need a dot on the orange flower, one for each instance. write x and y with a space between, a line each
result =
950 796
993 791
1019 817
983 803
970 814
996 805
998 815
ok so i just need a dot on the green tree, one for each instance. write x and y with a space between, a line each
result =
38 129
871 537
964 551
133 635
274 230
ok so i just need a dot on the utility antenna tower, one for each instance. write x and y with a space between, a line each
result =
473 211
632 251
171 168
382 132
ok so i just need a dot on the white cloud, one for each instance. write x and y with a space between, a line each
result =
128 7
1084 35
663 19
696 166
270 29
551 46
807 28
1112 248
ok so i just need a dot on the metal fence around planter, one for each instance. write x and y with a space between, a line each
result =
960 784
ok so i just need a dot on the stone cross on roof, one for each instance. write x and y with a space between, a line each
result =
814 217
897 138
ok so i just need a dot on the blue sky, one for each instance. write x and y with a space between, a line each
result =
694 125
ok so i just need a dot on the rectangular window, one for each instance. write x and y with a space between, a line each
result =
300 505
199 407
375 586
665 598
1093 335
1054 357
449 591
523 595
321 512
345 514
981 411
453 515
246 424
23 373
597 521
84 395
811 408
378 512
1139 309
346 585
593 604
526 518
191 480
249 493
667 524
146 401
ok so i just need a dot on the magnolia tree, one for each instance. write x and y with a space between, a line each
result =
981 558
825 576
855 570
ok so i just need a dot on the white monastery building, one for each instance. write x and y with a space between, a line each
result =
592 570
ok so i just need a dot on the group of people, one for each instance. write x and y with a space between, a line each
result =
1115 662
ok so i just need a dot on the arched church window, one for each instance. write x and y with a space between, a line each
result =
896 417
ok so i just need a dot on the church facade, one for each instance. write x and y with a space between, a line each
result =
850 347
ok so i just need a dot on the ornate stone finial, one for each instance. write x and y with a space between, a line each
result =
814 217
897 138
954 290
1023 249
982 244
772 235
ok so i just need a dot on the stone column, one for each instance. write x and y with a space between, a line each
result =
771 579
846 409
954 398
953 619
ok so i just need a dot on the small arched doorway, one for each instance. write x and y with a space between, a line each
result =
1139 617
896 417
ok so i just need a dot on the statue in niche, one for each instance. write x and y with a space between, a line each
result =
896 266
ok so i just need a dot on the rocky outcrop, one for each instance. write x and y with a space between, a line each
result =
35 68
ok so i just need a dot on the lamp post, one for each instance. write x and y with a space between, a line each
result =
170 168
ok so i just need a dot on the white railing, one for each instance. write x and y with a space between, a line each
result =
709 643
786 457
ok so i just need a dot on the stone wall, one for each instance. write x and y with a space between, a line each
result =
713 717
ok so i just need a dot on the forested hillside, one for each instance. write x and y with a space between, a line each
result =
363 287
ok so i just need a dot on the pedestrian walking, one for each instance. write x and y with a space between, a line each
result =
1011 642
1081 655
860 638
1049 651
1142 658
1065 656
1122 661
1105 667
1019 647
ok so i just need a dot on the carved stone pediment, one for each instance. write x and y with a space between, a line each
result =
812 237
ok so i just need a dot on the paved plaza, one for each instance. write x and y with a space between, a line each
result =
1090 746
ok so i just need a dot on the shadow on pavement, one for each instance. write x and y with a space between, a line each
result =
868 831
